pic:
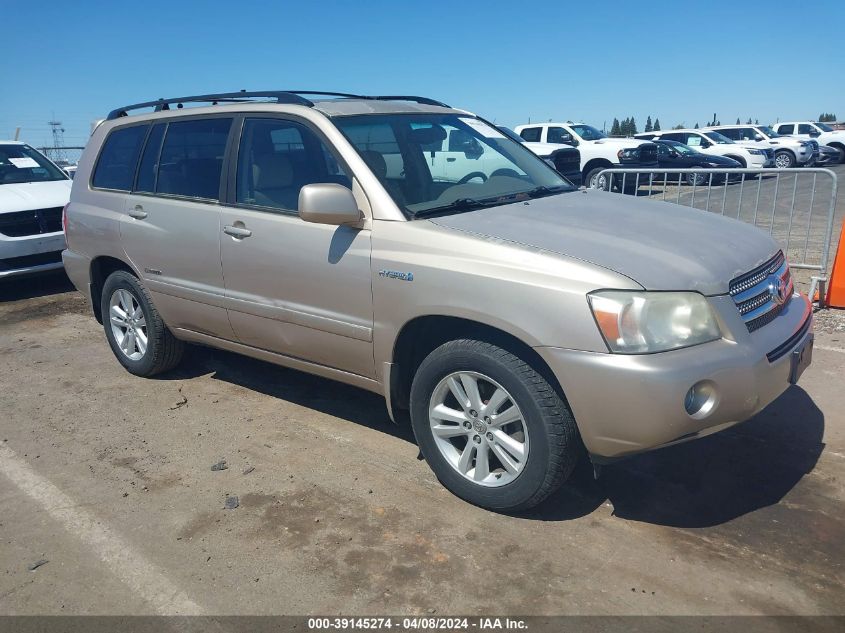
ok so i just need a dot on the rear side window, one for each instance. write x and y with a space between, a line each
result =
531 134
192 158
786 128
119 158
735 134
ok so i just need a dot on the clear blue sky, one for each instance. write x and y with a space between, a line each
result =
508 61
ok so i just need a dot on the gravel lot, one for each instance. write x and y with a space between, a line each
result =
109 479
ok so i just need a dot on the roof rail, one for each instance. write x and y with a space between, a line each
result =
422 100
228 97
279 96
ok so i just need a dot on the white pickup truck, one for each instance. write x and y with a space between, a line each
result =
598 151
817 131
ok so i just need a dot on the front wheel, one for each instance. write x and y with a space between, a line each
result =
138 337
784 160
493 430
594 181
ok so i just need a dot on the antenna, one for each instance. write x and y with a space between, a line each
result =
57 152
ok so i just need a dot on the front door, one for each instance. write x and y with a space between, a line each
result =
293 287
171 226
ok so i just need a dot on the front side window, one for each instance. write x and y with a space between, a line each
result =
716 138
276 158
558 135
119 158
531 134
406 153
806 128
192 158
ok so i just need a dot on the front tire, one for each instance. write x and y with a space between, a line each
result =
134 329
784 160
593 181
492 429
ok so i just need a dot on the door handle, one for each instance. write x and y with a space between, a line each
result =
138 212
450 160
237 231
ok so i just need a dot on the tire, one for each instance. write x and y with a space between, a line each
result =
784 159
122 292
841 150
593 173
696 179
540 422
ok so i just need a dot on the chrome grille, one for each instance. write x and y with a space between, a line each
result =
761 294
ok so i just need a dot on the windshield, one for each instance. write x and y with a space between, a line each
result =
824 127
431 163
588 132
718 138
21 163
680 147
765 129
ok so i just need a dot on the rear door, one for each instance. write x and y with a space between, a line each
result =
294 287
171 228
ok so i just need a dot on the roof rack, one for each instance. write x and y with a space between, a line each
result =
278 96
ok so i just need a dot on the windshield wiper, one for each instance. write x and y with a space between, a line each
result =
461 204
542 191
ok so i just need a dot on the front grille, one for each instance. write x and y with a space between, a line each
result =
761 294
35 222
28 261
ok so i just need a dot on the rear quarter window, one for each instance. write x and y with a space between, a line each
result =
118 158
531 134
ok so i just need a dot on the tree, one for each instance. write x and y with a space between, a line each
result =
648 126
748 122
756 121
680 126
718 123
827 117
624 127
632 127
696 125
615 130
656 127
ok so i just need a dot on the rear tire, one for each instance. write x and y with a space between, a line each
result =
507 458
134 329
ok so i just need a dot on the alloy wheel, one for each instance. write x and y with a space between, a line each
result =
479 428
128 324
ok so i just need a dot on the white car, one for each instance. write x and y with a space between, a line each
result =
33 193
821 132
789 151
598 151
710 142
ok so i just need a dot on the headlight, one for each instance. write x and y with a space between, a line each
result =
643 322
755 152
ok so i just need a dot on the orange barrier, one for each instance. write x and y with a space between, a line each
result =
836 290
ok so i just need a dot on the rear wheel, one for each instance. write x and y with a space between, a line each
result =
138 337
696 179
493 430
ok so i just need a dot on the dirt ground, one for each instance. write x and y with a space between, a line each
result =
108 478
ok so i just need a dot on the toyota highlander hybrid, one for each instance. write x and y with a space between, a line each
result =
517 321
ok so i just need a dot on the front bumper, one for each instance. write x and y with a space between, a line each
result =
627 404
30 253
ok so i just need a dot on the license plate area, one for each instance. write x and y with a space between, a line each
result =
800 359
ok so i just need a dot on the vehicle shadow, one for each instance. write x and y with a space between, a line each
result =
709 481
36 285
321 394
702 483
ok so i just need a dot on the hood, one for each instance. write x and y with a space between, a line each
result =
34 195
546 149
659 245
619 142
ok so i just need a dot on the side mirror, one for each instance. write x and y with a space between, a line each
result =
705 144
815 133
328 203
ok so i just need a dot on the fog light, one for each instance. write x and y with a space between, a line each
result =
701 399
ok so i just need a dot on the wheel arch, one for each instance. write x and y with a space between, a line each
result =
421 335
101 268
593 163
